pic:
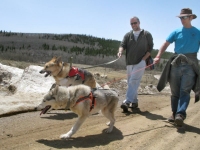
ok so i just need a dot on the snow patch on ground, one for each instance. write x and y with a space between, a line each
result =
30 88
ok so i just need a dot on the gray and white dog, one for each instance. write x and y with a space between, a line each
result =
82 101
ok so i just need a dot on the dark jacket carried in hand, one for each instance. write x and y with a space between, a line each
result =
191 58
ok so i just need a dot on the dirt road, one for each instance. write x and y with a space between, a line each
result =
142 129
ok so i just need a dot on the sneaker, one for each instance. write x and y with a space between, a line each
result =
133 105
125 107
179 119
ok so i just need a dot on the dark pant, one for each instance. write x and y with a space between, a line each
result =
182 79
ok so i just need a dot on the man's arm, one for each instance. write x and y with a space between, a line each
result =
150 44
146 56
160 52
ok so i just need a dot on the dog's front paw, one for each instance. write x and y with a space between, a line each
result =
65 136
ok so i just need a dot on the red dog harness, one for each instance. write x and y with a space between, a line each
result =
76 72
88 97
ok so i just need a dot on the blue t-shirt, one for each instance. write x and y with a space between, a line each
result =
187 40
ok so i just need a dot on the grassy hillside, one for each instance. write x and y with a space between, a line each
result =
39 48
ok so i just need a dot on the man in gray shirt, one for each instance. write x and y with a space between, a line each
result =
138 44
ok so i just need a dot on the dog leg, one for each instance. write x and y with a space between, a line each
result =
108 123
74 128
110 116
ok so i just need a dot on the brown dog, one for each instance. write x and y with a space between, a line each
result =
66 76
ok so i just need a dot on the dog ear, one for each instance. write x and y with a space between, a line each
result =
53 86
55 91
58 60
54 58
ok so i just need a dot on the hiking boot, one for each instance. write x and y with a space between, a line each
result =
125 107
179 120
133 105
171 118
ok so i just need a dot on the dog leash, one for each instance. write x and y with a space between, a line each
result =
110 62
128 74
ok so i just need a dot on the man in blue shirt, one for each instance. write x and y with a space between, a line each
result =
181 71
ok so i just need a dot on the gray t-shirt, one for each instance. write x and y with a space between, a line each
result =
136 34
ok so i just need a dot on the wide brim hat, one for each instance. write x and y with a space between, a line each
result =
187 12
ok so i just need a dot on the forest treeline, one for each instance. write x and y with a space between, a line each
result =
41 47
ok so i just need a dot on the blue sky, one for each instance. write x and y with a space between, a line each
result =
109 19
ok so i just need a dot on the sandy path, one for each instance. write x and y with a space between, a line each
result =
142 129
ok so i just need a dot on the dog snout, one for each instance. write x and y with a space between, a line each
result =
42 71
39 107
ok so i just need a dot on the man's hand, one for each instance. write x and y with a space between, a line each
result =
119 54
156 60
162 50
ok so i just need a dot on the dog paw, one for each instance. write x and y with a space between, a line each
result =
109 130
65 136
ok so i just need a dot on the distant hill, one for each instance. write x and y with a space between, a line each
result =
41 47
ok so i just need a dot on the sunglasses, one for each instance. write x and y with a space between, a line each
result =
133 23
184 17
